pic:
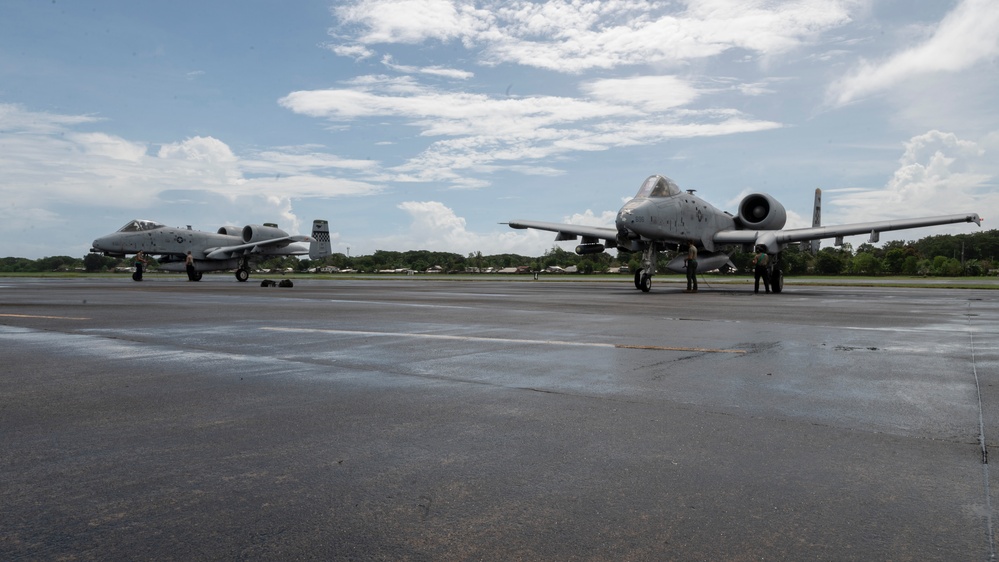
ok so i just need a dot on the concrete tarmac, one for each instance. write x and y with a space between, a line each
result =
433 419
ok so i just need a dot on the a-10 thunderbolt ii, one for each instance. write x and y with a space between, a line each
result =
662 217
231 247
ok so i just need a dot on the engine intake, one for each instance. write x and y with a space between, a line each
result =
762 212
260 233
231 230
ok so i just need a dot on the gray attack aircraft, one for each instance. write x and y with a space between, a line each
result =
231 247
662 217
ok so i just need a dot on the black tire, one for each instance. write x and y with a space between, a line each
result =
242 275
197 276
646 283
137 276
638 278
777 281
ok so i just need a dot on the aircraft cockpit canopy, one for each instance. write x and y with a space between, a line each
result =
658 186
139 225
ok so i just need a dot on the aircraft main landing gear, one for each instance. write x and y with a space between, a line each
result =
643 281
243 273
776 281
776 275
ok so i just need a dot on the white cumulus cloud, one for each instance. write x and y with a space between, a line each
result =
965 37
482 132
938 174
108 172
435 226
576 35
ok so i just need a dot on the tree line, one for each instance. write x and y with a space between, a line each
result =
947 255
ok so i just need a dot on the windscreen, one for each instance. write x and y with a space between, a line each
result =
658 186
139 225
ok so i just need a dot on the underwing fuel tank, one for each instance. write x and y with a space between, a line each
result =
584 249
706 261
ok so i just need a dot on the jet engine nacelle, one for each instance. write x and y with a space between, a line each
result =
259 233
584 249
759 211
231 230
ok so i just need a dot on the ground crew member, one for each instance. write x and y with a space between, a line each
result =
140 261
691 267
760 261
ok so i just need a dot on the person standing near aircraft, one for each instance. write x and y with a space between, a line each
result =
189 265
691 267
760 269
140 261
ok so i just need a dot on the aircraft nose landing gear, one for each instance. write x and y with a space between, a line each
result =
643 277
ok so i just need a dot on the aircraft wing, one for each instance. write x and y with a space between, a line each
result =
590 234
772 239
229 252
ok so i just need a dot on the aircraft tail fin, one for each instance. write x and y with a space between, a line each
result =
320 247
816 218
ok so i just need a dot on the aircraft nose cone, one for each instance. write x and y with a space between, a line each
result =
103 244
624 218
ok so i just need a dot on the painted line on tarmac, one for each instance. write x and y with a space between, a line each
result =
501 340
398 304
665 348
43 317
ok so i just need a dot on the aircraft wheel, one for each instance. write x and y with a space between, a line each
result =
242 275
638 279
646 283
777 281
136 276
197 276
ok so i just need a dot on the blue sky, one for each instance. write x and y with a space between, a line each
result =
423 124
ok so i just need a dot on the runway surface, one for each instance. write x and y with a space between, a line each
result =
463 420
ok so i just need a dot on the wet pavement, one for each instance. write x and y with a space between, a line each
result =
431 419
